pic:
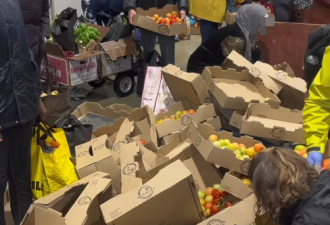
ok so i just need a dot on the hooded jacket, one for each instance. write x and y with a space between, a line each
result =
37 24
19 81
313 209
316 112
146 4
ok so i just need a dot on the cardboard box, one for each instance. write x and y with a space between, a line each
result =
60 205
95 156
261 120
236 90
143 19
233 184
230 18
195 30
188 88
236 119
215 122
170 186
242 213
236 61
122 107
285 67
118 56
8 216
223 157
74 70
169 125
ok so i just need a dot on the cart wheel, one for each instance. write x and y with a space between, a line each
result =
97 83
124 84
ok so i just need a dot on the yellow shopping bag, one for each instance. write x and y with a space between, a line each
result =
51 167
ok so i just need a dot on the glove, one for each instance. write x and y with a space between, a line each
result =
315 158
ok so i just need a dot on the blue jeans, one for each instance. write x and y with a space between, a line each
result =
208 29
15 167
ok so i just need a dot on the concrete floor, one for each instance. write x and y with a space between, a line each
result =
106 96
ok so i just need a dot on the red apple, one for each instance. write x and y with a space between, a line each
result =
214 209
216 193
228 204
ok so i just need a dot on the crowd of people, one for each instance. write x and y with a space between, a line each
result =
286 186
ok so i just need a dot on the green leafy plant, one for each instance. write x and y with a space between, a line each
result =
51 25
86 34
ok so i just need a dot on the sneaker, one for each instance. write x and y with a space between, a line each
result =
177 38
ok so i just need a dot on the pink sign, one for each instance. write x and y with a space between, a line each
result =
58 68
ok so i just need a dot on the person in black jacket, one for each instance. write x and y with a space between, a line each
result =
148 38
240 36
20 91
289 189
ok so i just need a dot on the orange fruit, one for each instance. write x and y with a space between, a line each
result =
192 112
156 16
179 20
173 21
303 152
163 21
213 138
241 146
169 15
296 151
259 147
184 112
250 152
174 13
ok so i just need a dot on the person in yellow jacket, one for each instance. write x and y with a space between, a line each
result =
316 113
211 13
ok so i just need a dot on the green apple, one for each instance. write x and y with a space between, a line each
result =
217 144
232 147
238 152
245 157
216 186
178 113
201 194
227 141
235 144
222 142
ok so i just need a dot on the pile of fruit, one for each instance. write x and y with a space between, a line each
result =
169 19
177 115
241 151
213 199
301 150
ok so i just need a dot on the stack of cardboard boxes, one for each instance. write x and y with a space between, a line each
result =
144 168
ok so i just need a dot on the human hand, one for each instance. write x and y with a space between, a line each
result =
183 15
315 158
131 14
42 110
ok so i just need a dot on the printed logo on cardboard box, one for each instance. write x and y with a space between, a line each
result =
212 87
278 133
84 201
281 75
198 141
163 29
186 120
145 192
178 73
255 71
118 145
217 222
244 167
99 147
207 100
129 169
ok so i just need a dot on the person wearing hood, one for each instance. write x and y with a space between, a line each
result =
290 10
288 189
241 36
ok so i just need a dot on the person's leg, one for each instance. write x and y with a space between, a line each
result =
19 170
148 41
167 48
208 29
4 148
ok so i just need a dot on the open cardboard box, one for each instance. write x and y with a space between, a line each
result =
118 56
168 126
224 157
121 107
242 213
236 61
188 88
285 67
76 204
143 19
261 120
236 119
236 90
74 70
96 156
173 186
233 184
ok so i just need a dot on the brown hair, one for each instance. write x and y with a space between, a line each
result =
279 178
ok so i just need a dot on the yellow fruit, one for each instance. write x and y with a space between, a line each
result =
174 13
213 138
247 182
305 156
299 147
202 201
203 208
159 121
250 152
156 16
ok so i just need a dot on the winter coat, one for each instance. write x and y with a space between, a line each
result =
92 8
19 80
312 209
146 4
37 24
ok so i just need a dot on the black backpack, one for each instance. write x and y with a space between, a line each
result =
317 42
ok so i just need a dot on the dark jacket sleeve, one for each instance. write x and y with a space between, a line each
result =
45 21
183 5
129 4
93 9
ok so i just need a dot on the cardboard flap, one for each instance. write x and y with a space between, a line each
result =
109 130
84 155
87 55
100 148
122 139
47 200
282 77
54 49
285 67
102 29
129 167
149 158
154 10
78 212
204 146
122 107
123 47
235 186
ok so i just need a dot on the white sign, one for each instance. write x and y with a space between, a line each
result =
83 71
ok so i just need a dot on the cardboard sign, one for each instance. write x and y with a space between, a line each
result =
83 71
58 68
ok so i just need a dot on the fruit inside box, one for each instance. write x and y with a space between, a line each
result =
168 19
242 152
177 115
